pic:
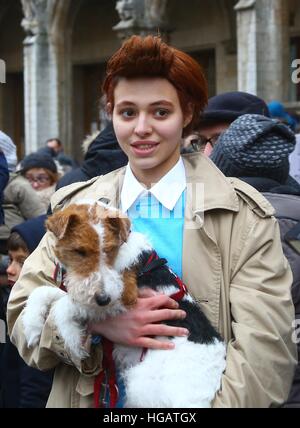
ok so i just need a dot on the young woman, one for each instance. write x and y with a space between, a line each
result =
219 235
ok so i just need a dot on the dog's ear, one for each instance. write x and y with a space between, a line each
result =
60 222
119 225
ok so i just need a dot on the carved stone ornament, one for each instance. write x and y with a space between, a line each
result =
35 16
245 4
155 11
127 13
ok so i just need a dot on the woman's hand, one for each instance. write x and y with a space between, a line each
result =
134 327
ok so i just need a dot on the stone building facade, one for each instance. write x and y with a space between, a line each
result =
55 53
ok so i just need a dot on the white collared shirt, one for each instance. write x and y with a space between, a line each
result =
167 191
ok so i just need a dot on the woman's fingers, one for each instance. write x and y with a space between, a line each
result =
146 292
164 330
160 315
158 301
149 343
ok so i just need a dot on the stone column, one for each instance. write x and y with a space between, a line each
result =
41 115
263 48
141 17
46 74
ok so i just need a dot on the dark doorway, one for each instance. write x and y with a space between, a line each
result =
13 107
207 60
87 107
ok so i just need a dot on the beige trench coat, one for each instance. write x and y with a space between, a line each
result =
233 265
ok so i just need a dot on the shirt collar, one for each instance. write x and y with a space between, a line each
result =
167 191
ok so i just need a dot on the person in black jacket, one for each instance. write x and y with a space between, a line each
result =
256 150
103 156
4 177
22 386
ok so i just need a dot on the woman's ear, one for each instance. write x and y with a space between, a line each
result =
188 115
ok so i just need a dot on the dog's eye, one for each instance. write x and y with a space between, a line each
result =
80 251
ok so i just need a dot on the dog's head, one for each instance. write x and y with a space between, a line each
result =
89 237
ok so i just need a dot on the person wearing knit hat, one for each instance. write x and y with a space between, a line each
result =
256 150
36 160
255 146
41 172
221 111
9 150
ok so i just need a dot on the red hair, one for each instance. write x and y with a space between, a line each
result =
151 57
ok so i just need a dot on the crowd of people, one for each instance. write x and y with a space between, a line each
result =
243 264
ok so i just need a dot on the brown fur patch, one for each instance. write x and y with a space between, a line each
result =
130 292
78 246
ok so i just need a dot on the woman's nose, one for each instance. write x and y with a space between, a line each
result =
143 126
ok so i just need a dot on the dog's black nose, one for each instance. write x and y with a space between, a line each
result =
102 299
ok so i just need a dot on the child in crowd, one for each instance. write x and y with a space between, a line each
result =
21 385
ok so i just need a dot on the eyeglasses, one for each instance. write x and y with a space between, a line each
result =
199 144
38 179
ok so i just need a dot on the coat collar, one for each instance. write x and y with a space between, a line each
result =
207 187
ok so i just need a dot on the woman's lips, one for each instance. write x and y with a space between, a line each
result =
144 148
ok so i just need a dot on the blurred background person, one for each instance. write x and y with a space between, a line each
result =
221 111
41 172
55 149
277 111
103 155
21 385
256 150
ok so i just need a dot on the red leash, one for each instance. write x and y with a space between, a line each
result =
106 381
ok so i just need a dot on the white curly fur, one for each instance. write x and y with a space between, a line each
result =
37 310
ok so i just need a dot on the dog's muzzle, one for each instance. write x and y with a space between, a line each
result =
102 299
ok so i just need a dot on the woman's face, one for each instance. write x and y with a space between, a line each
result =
148 122
38 178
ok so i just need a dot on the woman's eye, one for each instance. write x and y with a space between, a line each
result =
128 113
161 113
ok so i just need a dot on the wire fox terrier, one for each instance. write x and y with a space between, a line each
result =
105 265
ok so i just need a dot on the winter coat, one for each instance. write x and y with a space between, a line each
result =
20 203
22 386
103 156
4 176
286 201
233 266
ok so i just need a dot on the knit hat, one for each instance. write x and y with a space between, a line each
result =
255 146
231 105
36 160
31 231
9 150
